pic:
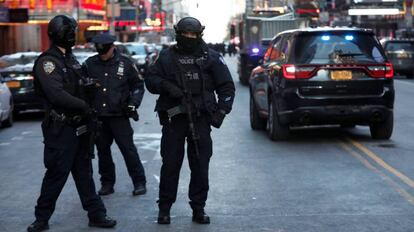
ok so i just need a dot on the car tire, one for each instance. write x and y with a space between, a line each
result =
256 122
243 75
382 130
276 130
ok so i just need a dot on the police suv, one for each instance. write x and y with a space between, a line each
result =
319 76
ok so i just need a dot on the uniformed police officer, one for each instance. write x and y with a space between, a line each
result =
189 70
120 93
57 76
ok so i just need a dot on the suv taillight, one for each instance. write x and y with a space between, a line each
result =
291 71
381 71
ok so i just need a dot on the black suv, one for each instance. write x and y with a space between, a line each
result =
401 54
319 76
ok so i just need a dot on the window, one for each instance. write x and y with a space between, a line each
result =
275 53
336 48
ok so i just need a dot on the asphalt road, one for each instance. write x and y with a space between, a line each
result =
323 179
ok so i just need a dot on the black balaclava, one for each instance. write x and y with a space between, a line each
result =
62 31
188 45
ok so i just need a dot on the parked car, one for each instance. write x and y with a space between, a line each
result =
139 53
319 76
17 73
6 105
401 54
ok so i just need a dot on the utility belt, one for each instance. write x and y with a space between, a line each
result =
76 121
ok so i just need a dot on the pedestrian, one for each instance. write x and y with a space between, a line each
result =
187 77
118 97
57 75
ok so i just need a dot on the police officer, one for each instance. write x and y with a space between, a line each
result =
57 77
189 70
120 93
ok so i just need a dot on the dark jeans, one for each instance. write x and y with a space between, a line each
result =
62 156
172 152
120 130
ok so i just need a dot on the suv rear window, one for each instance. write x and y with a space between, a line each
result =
400 45
336 48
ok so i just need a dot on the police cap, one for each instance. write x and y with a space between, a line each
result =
104 38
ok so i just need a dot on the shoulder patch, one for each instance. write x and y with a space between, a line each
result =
49 66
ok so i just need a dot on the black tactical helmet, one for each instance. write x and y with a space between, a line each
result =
189 24
62 31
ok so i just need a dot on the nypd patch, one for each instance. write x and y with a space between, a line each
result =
48 67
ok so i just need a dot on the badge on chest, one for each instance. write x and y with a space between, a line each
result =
120 72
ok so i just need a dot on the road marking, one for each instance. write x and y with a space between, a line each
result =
5 144
382 163
157 178
27 132
17 138
386 178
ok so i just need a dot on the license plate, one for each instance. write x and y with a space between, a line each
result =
403 55
13 84
341 75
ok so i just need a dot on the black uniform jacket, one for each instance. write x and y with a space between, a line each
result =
57 81
119 84
215 74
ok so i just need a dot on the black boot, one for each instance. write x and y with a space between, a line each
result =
38 226
104 222
164 217
200 217
139 189
106 190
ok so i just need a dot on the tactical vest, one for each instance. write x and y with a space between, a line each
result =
192 73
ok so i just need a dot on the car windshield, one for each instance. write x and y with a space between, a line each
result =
398 46
136 49
338 48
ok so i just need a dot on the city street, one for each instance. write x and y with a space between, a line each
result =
323 179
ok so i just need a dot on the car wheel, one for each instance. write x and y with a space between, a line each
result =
276 130
256 122
243 75
382 130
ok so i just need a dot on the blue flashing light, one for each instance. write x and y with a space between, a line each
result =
349 37
255 50
326 37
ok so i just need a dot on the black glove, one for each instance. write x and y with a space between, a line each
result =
89 90
217 118
172 89
131 111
